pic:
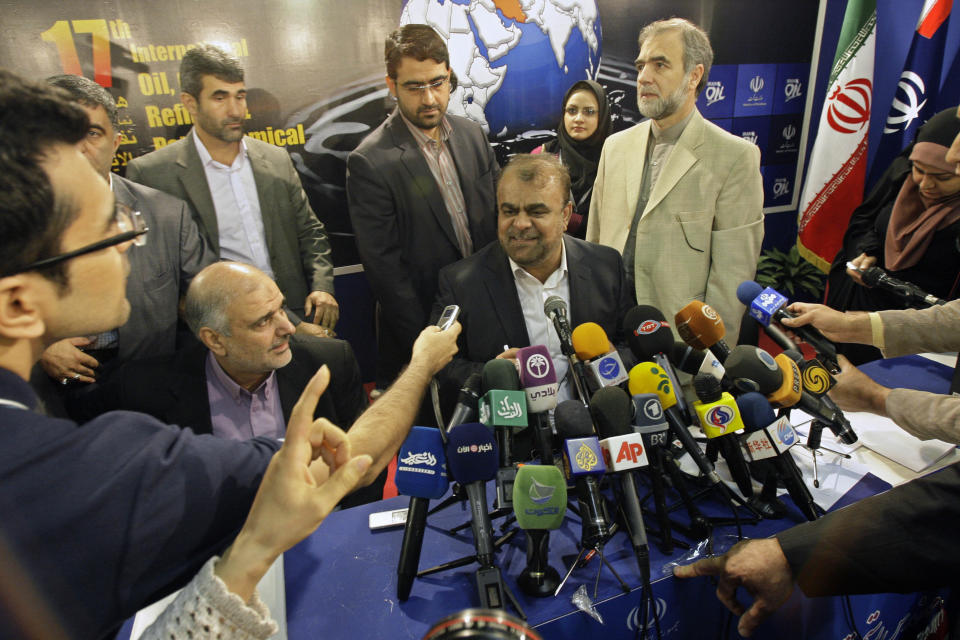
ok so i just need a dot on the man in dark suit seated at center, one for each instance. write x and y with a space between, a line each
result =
502 288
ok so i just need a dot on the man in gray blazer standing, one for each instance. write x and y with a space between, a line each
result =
246 194
159 272
421 190
678 195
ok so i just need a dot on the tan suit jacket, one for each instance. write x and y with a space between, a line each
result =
700 233
921 413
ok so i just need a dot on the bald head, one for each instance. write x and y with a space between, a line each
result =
211 291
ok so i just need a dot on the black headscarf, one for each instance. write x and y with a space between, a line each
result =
582 157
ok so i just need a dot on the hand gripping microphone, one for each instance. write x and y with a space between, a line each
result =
539 381
907 291
556 309
752 369
624 452
421 473
604 365
816 382
720 419
472 460
583 464
504 408
769 304
539 502
769 439
747 293
701 327
650 338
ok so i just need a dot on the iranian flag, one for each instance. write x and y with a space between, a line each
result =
838 163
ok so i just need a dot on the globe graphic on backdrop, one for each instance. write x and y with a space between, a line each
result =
514 59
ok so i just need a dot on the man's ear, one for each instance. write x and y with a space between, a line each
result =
212 340
566 213
21 308
189 103
391 86
695 74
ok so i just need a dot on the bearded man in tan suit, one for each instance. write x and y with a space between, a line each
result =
680 197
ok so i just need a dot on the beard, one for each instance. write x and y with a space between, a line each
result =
663 107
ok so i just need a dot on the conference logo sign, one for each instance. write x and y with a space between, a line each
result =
750 136
907 102
792 89
637 614
714 92
789 132
537 365
586 458
781 187
756 83
849 106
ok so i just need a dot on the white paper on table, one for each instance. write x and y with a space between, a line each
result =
836 474
271 589
886 438
801 421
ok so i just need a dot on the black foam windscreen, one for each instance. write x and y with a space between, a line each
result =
573 420
647 331
500 374
747 362
472 454
707 387
685 358
612 411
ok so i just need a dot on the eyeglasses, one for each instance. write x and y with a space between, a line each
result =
421 89
132 228
588 112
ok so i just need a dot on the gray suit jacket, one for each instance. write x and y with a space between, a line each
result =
160 271
402 226
296 240
700 233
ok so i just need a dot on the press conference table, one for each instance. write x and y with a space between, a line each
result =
341 581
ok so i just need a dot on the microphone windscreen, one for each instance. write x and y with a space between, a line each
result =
647 411
707 387
648 377
648 333
612 411
538 378
555 304
539 496
421 464
685 358
500 374
573 420
748 291
472 453
470 389
590 341
755 411
747 364
699 325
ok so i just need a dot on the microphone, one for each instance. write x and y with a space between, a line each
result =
472 459
421 474
556 309
539 381
908 292
603 362
583 463
467 402
647 377
650 338
623 451
539 502
503 407
649 420
768 304
752 369
769 439
720 419
701 327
